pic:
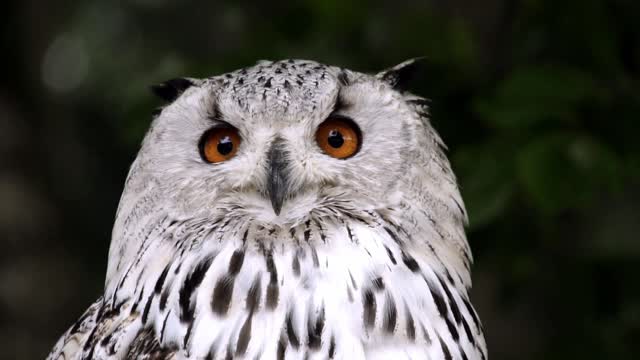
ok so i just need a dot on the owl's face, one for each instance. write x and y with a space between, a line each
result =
280 142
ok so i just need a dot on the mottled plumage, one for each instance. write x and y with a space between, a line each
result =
357 258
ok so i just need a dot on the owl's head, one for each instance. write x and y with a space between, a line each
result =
282 145
284 141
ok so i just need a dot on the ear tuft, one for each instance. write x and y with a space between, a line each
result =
400 75
171 89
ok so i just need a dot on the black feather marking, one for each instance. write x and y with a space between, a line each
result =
145 345
307 230
229 353
393 235
467 331
464 355
90 343
369 304
452 302
390 315
411 326
272 289
171 89
254 294
445 349
378 283
235 264
268 83
222 294
410 262
425 332
282 348
332 347
212 352
161 279
191 283
165 296
323 237
295 265
452 329
458 205
164 326
314 256
472 312
134 307
105 340
391 257
187 335
448 274
314 331
438 299
244 236
349 233
245 335
353 281
291 332
147 307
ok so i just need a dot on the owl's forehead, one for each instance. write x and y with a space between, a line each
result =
284 89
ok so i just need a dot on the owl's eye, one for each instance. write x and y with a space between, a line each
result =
339 137
219 144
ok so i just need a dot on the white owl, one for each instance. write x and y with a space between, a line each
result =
289 210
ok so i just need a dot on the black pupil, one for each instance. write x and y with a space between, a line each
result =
335 139
225 146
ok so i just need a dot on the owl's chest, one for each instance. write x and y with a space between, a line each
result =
348 300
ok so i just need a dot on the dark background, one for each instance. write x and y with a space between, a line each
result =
538 100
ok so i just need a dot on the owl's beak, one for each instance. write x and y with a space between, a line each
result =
278 176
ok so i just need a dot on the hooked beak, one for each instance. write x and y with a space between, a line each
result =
278 176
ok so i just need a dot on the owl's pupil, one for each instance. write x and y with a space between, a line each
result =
335 139
225 146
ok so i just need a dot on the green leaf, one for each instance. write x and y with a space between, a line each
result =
486 180
533 95
566 170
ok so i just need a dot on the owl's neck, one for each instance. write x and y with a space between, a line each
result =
402 231
382 276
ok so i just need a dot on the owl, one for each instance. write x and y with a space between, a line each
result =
288 210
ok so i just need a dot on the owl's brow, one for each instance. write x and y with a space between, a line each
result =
340 104
343 78
214 113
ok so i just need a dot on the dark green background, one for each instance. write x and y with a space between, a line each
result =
538 100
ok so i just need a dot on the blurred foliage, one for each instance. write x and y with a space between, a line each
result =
538 101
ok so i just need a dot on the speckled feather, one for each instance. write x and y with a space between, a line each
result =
368 258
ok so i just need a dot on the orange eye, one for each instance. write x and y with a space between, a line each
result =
338 137
219 144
